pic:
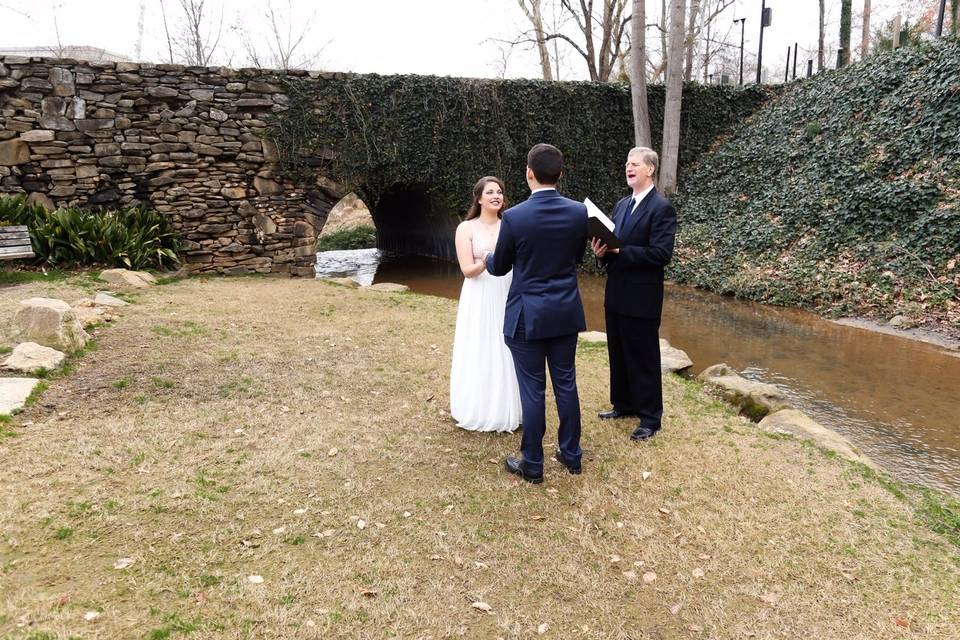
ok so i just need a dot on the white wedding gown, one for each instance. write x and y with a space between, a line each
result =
484 395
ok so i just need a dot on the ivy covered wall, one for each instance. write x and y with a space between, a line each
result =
415 145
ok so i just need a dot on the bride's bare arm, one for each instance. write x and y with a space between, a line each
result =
470 266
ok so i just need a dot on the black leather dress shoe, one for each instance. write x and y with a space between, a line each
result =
575 469
518 467
643 433
615 413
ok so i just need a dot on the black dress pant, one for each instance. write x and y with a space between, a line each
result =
634 348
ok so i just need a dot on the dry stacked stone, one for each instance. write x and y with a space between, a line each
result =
187 141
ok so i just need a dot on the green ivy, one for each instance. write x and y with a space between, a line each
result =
372 133
842 194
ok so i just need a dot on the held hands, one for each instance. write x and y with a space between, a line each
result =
600 249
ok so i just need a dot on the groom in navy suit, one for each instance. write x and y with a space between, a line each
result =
542 240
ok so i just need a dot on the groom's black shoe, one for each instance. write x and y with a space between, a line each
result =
614 413
643 433
519 467
571 467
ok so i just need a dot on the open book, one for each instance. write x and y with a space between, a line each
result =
601 226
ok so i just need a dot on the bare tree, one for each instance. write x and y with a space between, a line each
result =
670 149
638 75
846 22
287 32
166 30
196 41
821 36
597 33
532 9
692 33
865 34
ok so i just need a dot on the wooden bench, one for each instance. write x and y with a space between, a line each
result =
15 243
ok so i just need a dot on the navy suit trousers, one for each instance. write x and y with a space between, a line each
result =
529 357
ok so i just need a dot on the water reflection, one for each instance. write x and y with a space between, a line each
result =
894 398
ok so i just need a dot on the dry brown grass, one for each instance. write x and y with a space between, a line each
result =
191 437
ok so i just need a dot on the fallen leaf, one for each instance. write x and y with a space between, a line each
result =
900 622
695 628
279 530
480 565
675 609
90 616
379 525
435 557
646 474
542 629
361 524
649 577
630 575
698 573
299 512
284 409
850 577
201 597
255 579
407 514
770 598
615 558
369 593
704 556
334 451
482 606
493 461
123 563
538 518
664 511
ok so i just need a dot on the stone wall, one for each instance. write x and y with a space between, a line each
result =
187 141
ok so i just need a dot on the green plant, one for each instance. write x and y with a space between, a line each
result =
135 237
364 237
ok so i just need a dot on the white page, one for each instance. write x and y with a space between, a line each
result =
594 212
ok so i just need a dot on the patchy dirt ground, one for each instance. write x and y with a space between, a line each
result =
265 458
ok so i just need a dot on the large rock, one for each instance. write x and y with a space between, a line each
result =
89 315
754 399
805 427
14 393
126 278
672 359
389 287
593 336
49 322
30 357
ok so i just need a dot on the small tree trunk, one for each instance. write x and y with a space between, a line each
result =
691 39
638 76
865 36
671 113
846 20
821 39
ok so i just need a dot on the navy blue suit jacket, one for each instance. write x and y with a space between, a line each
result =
635 275
542 240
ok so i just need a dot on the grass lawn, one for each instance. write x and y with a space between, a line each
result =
269 458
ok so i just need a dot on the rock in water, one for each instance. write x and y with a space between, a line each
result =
803 426
672 359
30 357
755 399
49 322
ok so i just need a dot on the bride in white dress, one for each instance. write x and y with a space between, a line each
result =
484 395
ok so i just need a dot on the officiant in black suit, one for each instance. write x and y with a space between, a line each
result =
646 225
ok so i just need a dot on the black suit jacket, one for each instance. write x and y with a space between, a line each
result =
635 275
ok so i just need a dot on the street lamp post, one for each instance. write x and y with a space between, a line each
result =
742 22
943 10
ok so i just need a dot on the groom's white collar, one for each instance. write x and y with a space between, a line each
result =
543 189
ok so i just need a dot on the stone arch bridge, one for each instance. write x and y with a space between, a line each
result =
198 144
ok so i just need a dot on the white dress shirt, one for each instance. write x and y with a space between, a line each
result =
638 198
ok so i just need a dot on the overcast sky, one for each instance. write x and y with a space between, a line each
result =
443 37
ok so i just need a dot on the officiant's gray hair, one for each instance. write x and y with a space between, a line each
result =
648 157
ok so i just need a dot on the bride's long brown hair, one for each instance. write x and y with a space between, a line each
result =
474 211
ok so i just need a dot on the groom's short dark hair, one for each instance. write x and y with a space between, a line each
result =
546 162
